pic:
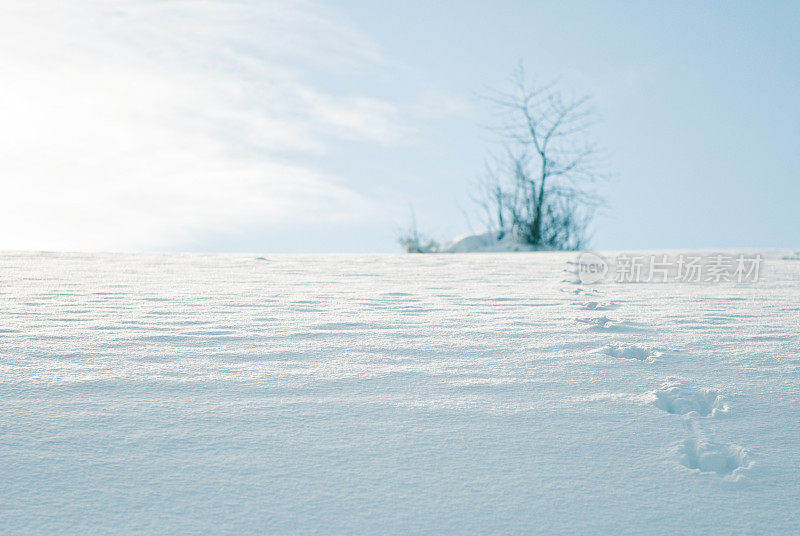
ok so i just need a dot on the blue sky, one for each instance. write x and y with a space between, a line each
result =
312 127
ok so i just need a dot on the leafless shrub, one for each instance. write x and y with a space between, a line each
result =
540 188
413 242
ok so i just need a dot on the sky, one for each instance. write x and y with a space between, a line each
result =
299 126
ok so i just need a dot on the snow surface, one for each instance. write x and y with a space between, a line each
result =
415 394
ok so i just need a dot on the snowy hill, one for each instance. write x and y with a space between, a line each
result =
382 394
482 243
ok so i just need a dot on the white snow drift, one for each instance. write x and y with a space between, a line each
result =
458 394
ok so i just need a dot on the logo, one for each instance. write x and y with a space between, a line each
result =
591 267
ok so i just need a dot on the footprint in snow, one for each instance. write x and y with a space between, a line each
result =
596 305
637 353
680 398
598 322
728 461
580 291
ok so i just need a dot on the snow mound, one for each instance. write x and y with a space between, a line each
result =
484 243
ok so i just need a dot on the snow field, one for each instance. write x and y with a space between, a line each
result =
383 394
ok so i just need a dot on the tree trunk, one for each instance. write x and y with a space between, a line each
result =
536 232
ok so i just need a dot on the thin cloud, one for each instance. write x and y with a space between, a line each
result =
139 125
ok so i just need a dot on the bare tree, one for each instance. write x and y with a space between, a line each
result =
540 189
